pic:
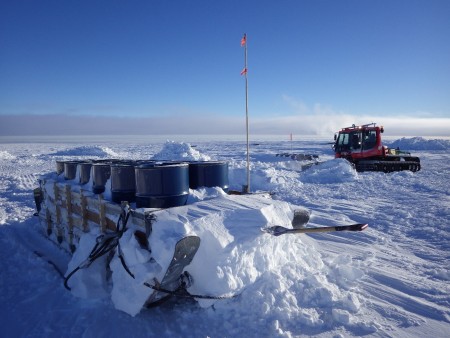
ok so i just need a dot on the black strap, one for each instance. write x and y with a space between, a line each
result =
122 260
105 243
182 292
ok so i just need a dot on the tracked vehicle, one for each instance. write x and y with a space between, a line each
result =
362 146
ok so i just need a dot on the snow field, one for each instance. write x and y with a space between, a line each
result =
390 280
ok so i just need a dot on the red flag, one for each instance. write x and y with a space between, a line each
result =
244 40
244 71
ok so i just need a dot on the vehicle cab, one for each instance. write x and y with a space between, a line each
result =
358 141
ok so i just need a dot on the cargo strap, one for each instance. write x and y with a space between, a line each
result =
181 291
105 243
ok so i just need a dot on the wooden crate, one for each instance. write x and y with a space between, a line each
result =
68 210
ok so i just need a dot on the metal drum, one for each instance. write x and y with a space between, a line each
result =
70 169
59 166
162 185
85 172
123 182
208 174
101 173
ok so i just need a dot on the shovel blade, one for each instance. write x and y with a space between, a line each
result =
275 230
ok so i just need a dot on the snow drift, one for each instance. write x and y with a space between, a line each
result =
179 151
86 151
4 155
420 143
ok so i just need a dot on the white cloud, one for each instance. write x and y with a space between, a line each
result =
323 124
299 106
322 119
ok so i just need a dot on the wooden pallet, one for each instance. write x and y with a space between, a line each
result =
68 210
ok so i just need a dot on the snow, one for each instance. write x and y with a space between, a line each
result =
179 151
4 155
393 279
329 172
85 151
420 143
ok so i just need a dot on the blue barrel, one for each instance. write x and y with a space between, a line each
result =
59 166
70 169
162 185
84 172
208 174
123 182
101 172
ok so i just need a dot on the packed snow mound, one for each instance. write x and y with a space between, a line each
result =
4 155
234 258
179 151
419 143
334 171
231 243
84 151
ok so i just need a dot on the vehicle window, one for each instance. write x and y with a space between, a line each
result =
370 139
343 139
356 140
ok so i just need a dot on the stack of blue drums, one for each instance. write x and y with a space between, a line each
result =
149 184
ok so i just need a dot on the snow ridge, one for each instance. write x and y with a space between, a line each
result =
179 151
84 151
419 143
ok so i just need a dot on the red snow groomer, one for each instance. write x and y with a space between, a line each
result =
362 146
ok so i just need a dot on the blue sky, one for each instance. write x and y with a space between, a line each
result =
174 66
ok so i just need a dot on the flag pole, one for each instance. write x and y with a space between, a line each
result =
244 43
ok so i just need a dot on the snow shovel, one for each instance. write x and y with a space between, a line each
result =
279 230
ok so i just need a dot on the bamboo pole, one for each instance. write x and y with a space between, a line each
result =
245 71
